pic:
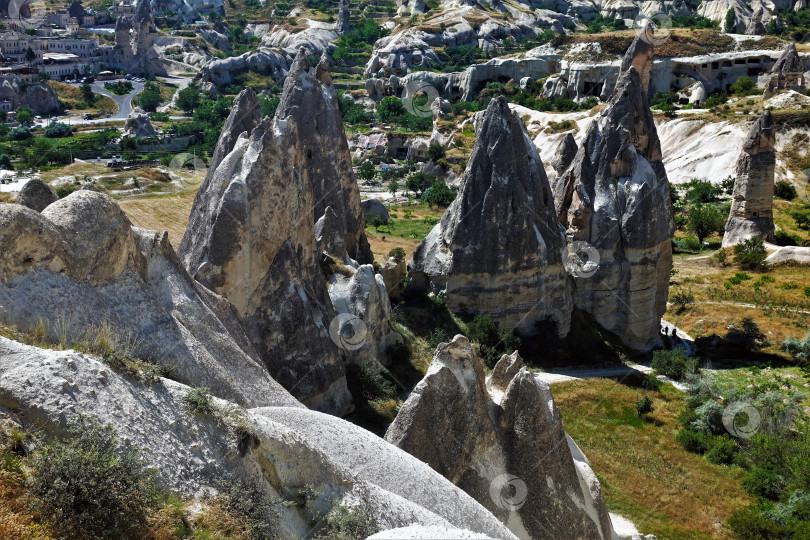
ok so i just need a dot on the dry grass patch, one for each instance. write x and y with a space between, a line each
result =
166 213
646 476
73 99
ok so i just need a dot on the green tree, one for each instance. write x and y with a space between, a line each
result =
418 182
366 171
87 94
393 186
149 99
436 152
439 194
24 116
390 109
705 220
30 55
731 21
5 162
376 222
188 98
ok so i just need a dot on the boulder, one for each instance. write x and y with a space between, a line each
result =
440 107
506 447
311 100
41 99
789 253
276 450
82 269
751 212
36 195
375 208
139 125
498 248
614 202
253 241
755 27
263 60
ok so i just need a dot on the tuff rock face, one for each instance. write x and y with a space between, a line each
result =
614 202
138 124
506 445
566 152
80 266
752 200
36 195
640 54
253 241
787 72
497 248
311 100
755 26
292 446
342 26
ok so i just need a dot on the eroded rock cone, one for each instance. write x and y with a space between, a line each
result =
751 212
787 72
342 26
311 100
497 248
506 446
37 195
253 241
614 201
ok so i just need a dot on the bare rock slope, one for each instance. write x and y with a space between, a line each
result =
81 268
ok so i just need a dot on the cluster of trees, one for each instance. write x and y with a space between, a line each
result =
392 110
531 97
149 99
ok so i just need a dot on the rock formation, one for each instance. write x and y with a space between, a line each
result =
787 72
505 446
375 208
342 27
565 154
614 201
289 446
755 26
640 54
40 98
251 239
752 200
311 100
81 268
497 248
393 273
36 195
138 124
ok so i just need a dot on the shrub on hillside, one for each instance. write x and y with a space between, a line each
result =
57 130
673 363
785 190
88 487
799 349
349 523
750 253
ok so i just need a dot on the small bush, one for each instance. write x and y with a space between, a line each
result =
57 130
437 336
88 487
199 401
785 190
750 253
723 451
673 364
644 407
693 441
349 523
683 299
720 258
800 350
398 254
